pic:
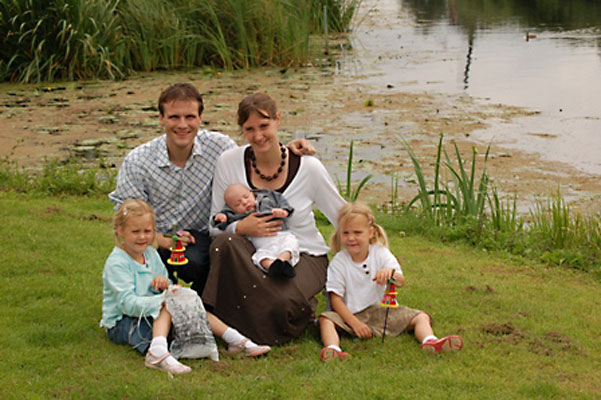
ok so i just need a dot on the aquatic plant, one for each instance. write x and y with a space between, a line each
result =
462 208
454 201
348 192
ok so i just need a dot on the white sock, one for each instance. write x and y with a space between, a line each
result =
232 336
428 338
333 346
158 347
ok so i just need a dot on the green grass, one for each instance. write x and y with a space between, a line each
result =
530 331
57 178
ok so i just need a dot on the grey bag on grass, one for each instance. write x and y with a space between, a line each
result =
192 336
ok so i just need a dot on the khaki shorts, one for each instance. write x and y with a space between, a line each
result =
373 316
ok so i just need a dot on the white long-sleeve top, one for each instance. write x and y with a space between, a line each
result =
311 187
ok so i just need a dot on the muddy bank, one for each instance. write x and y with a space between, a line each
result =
104 120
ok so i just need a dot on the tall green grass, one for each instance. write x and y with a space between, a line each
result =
455 200
44 40
78 39
466 207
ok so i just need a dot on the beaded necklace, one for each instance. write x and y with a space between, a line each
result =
253 163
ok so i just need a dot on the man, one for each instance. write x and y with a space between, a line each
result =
174 172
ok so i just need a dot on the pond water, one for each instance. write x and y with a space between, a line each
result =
543 55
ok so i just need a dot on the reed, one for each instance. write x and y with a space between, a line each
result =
340 14
79 39
60 39
348 192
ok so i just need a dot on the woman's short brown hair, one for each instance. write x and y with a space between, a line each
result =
260 103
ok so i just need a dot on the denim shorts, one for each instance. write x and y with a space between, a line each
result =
137 332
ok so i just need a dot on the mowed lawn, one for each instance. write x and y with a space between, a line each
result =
530 331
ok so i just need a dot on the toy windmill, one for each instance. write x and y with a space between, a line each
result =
389 301
177 250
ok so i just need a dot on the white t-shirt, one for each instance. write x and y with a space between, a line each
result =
354 281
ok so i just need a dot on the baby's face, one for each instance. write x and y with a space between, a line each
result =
240 199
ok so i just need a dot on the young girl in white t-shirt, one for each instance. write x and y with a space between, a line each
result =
356 279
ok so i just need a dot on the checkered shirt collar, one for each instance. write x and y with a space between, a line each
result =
163 154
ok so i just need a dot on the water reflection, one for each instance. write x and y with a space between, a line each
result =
517 15
481 48
482 14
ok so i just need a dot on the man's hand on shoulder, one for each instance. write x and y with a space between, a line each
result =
302 147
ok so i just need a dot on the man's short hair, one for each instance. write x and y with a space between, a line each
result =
180 92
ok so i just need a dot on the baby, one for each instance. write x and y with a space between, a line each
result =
275 255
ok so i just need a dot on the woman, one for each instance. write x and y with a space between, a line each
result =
266 309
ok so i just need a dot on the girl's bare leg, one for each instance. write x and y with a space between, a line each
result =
421 326
218 327
329 336
162 324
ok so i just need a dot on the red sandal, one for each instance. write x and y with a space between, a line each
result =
329 354
445 344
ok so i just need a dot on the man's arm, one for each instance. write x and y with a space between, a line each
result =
130 184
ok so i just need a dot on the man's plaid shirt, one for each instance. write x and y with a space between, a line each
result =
179 196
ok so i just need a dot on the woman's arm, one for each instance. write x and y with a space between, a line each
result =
227 173
326 196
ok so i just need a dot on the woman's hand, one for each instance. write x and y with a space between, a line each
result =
302 147
361 330
256 225
160 283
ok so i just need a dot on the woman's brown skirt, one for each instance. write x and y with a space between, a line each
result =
267 310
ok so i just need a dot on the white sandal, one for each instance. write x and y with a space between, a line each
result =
254 351
160 363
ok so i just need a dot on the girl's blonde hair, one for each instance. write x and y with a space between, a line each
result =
128 209
352 210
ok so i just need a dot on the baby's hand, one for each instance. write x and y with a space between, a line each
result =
279 213
383 275
160 283
220 218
